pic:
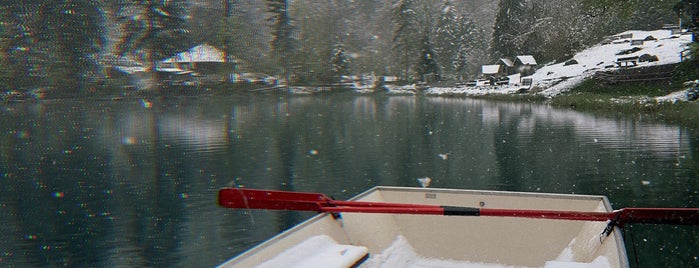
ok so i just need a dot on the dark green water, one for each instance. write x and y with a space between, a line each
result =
133 183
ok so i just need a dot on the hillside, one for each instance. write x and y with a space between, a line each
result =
557 78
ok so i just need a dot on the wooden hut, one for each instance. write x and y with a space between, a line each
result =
203 58
525 64
508 64
494 70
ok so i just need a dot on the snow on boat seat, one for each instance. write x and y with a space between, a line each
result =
319 251
599 262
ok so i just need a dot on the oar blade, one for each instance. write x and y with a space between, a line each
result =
677 216
270 199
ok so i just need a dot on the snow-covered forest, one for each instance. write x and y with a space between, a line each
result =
54 43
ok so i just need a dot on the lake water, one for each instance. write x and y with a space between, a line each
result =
133 182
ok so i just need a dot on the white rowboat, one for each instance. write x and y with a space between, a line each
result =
401 240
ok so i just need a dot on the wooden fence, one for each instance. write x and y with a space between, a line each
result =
644 74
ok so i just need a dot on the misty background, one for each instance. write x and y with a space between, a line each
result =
70 44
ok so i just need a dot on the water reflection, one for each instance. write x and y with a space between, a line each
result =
122 183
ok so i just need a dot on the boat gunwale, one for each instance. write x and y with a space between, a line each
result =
618 238
603 198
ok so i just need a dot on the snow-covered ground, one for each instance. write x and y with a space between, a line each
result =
401 90
472 91
558 78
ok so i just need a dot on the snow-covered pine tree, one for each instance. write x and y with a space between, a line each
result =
457 39
283 43
38 38
690 9
510 25
405 19
340 62
460 62
154 29
18 41
447 33
427 67
72 31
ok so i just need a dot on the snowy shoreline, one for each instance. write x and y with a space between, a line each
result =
666 46
554 79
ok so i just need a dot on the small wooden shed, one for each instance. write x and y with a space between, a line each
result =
202 58
525 64
508 64
494 70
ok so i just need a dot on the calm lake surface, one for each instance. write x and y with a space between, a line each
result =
133 183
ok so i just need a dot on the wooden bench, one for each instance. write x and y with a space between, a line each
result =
502 81
625 36
685 54
637 42
627 62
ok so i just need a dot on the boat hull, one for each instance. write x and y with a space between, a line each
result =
501 241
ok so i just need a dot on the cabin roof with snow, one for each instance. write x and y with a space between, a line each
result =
526 60
507 62
490 69
200 53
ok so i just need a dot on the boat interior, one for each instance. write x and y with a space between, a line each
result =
389 240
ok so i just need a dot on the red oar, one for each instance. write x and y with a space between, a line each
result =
283 200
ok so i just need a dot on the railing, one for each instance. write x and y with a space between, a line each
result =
685 54
645 74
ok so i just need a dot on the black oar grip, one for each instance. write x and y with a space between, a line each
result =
461 211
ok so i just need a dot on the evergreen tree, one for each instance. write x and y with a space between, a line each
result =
282 35
5 70
72 33
340 62
54 43
239 29
460 62
153 29
510 25
428 68
19 36
690 9
620 16
225 38
321 32
457 39
405 18
447 35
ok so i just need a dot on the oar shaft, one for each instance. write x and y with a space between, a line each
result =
548 214
375 204
387 210
467 211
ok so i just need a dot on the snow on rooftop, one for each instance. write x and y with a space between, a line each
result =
507 62
558 78
200 53
526 60
490 69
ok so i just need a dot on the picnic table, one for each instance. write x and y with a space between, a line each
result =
627 61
